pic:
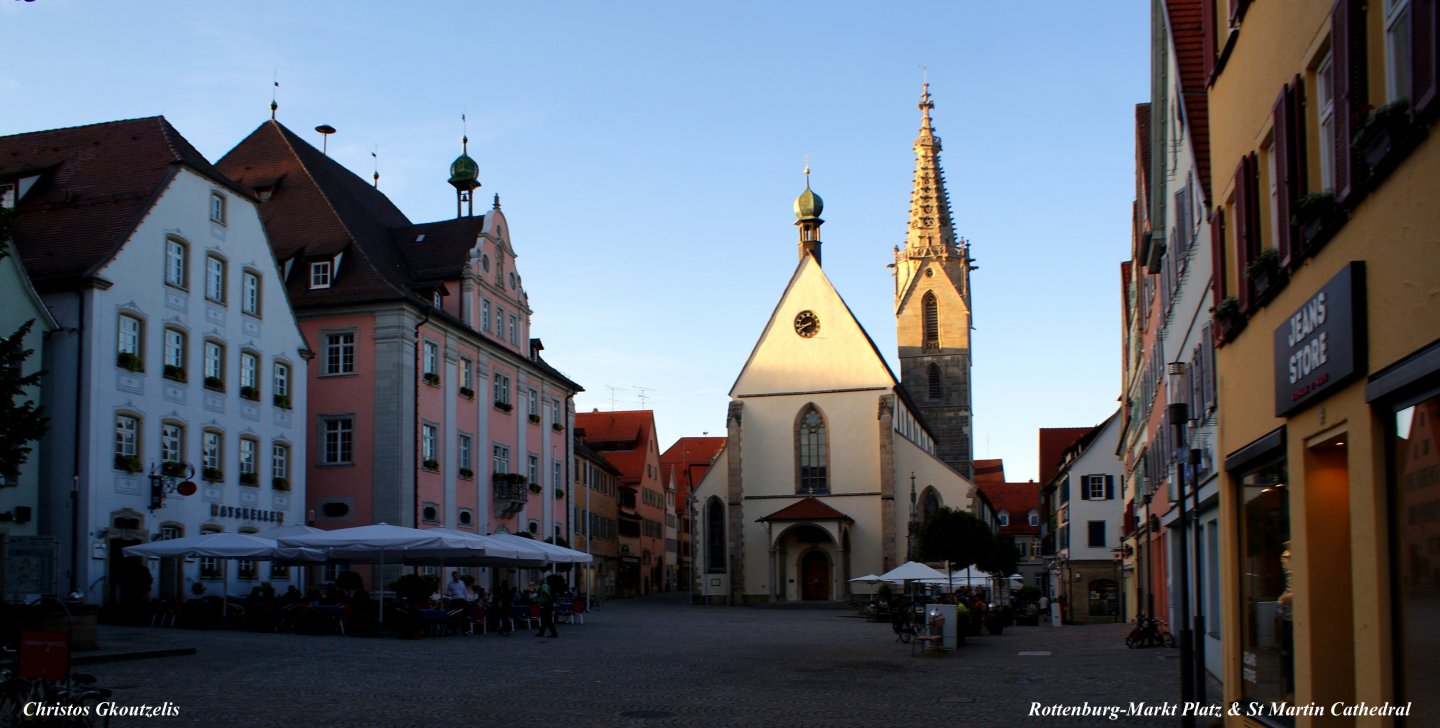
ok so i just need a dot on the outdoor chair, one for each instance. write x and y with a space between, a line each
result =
477 617
931 637
576 611
534 615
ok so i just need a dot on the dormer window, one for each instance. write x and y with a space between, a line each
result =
320 274
7 196
217 208
1004 518
435 299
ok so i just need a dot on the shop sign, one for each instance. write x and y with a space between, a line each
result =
1321 346
246 514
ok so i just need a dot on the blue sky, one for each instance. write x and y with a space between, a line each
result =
647 155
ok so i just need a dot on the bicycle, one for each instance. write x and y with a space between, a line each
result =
1149 632
902 622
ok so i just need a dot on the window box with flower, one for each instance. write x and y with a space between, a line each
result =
556 426
215 383
250 393
282 401
1382 134
128 463
467 393
174 373
1264 275
432 379
280 483
1230 319
467 473
129 362
534 419
536 488
213 475
431 464
170 467
1317 216
505 407
249 479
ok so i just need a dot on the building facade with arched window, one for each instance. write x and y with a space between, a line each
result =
826 457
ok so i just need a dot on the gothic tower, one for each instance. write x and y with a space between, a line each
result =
932 305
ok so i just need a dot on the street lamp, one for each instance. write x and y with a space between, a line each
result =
167 478
1192 648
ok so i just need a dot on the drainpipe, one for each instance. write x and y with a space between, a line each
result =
75 455
415 384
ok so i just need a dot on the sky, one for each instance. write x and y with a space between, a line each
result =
647 155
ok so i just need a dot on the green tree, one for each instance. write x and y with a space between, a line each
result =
1001 558
21 420
955 536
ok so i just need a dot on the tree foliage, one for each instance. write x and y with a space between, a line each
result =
1001 559
954 536
21 420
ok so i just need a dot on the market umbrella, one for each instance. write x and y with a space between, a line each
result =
554 554
489 551
867 579
381 542
911 571
224 545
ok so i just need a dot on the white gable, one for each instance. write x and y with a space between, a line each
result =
839 356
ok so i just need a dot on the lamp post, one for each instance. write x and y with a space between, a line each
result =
1192 671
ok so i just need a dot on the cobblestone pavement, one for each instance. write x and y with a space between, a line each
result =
645 662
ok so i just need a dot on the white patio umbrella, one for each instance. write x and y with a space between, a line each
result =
554 554
224 545
867 579
911 571
489 551
383 542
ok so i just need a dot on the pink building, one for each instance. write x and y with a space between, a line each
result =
429 402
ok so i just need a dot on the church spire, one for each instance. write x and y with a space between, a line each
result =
931 230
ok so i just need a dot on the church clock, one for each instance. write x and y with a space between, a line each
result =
807 324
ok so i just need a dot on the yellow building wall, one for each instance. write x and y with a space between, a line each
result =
1339 500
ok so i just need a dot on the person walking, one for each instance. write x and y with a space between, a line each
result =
504 601
547 611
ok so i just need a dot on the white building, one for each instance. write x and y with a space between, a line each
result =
177 350
1085 498
826 464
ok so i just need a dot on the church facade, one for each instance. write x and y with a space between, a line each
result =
828 463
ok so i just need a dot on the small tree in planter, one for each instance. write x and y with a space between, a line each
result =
1314 214
1227 314
1382 132
1264 271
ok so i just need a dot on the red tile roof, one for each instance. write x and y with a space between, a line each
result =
1188 40
621 437
97 183
1018 499
1053 443
318 209
807 509
989 471
689 459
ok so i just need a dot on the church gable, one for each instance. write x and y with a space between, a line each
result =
812 343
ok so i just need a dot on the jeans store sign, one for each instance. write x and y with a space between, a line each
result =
1321 345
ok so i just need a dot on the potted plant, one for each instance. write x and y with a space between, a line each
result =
250 393
170 467
129 362
215 383
467 393
534 419
279 483
128 463
1228 316
559 494
249 479
432 379
556 426
1314 215
467 473
1264 272
214 475
962 622
536 489
504 406
282 401
996 619
174 373
431 464
1381 132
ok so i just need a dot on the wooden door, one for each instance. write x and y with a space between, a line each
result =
815 576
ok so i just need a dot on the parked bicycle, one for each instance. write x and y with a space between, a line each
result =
37 673
902 621
1149 632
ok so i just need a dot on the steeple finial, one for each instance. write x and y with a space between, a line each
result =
925 103
497 201
808 207
375 155
273 92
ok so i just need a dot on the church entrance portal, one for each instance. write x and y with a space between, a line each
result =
815 576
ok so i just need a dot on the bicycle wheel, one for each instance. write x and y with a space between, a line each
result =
1132 639
907 634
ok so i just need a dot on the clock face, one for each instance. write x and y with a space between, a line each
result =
807 324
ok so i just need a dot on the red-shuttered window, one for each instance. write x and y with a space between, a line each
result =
1247 227
1218 289
1288 154
1424 56
1347 53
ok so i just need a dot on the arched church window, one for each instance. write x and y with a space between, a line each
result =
715 536
929 505
811 452
933 374
930 310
